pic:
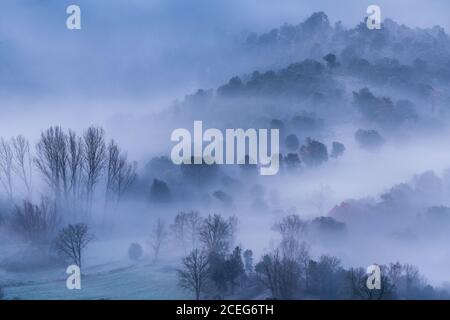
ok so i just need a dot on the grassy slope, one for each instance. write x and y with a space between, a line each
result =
136 282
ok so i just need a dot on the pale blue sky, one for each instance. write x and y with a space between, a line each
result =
138 46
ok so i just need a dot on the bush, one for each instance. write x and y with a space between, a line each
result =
314 153
35 223
135 251
369 139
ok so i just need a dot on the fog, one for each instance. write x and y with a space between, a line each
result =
141 69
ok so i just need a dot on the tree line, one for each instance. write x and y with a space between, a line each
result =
215 269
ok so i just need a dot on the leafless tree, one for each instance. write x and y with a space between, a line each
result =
119 173
193 226
94 152
112 169
215 234
233 222
157 237
194 274
179 228
72 166
394 272
22 160
358 281
186 227
279 274
126 177
51 160
291 229
75 164
6 167
290 226
35 223
71 242
412 278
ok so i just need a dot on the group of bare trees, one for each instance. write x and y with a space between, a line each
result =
210 265
15 161
397 280
35 223
73 167
186 228
289 272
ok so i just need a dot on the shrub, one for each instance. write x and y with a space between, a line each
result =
135 251
35 223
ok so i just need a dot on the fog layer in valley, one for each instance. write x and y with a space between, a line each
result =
87 115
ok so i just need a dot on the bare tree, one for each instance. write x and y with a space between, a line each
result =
179 228
412 279
193 226
75 164
394 272
290 226
358 280
215 234
6 167
279 274
126 176
233 222
35 223
194 274
291 229
94 152
119 173
158 236
51 160
186 227
112 169
23 161
71 242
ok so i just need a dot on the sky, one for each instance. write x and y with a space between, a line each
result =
133 54
154 48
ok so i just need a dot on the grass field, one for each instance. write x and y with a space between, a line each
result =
143 281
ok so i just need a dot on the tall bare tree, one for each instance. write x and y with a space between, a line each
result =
194 274
126 176
291 229
179 229
157 237
23 161
112 168
186 228
215 234
94 157
52 161
6 167
119 173
75 164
